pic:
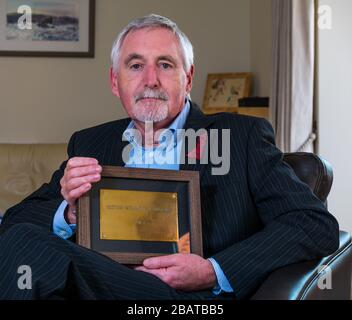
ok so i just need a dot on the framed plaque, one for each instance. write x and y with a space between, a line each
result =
132 214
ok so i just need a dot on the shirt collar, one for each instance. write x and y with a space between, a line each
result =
177 124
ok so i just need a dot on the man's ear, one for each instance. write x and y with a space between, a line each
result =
113 83
189 79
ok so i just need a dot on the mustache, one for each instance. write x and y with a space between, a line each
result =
151 94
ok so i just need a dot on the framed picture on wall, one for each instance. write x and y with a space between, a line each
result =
47 28
223 91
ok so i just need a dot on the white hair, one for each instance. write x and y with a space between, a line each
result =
153 21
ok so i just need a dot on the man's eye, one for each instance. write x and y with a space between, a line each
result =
165 65
135 66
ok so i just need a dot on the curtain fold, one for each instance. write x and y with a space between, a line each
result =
292 89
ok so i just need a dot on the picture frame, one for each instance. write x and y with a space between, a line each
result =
115 219
223 90
65 28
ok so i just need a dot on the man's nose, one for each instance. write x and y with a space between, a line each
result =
151 77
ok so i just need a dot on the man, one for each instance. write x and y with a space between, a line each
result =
256 218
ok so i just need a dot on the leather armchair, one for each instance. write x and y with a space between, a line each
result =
24 168
300 281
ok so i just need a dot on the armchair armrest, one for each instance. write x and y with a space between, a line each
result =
299 281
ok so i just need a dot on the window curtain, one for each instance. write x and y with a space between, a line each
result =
292 85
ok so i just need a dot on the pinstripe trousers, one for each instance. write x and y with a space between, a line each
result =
60 269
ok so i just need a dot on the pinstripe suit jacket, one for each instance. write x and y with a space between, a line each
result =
255 219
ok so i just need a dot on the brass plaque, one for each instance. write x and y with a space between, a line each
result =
138 215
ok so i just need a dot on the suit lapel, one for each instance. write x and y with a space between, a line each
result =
196 120
113 149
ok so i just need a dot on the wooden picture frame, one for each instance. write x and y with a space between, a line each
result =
89 216
223 91
66 29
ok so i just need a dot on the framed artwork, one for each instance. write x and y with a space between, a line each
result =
132 214
47 28
223 91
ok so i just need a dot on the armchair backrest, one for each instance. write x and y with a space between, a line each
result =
24 168
313 170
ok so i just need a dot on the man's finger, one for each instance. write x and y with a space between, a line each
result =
161 262
81 162
139 268
78 192
155 272
71 217
77 182
83 171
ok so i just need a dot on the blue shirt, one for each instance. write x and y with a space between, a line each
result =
165 156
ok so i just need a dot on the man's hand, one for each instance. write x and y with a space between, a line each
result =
187 272
79 175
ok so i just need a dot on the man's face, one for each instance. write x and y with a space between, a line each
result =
150 80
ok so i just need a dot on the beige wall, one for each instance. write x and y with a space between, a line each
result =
335 109
260 46
47 99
